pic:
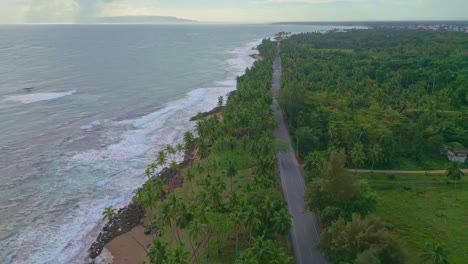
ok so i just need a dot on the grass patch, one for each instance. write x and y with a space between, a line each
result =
424 208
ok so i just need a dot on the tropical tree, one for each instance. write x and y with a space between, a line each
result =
357 155
171 151
158 252
179 148
282 222
434 254
178 256
162 158
344 241
264 251
251 219
375 154
188 139
454 172
313 163
189 175
231 171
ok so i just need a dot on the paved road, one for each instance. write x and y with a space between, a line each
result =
306 232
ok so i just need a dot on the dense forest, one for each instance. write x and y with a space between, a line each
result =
385 99
390 98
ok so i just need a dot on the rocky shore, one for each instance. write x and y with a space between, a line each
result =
131 215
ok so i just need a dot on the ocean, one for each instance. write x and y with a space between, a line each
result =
84 109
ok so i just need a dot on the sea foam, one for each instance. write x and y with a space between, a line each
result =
37 97
119 169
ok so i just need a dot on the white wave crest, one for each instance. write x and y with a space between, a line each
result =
37 97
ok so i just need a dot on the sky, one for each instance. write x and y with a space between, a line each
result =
76 11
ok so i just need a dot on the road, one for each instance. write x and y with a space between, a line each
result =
305 234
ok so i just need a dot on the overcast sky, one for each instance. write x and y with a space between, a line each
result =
71 11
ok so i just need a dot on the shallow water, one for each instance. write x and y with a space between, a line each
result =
84 108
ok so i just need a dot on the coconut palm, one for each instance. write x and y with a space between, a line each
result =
162 158
375 154
171 151
179 148
188 139
357 155
282 222
214 164
174 166
220 101
251 219
109 214
231 171
434 254
158 252
189 175
178 256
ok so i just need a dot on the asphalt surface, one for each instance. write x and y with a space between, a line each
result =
305 234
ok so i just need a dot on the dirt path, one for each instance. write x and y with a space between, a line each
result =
403 171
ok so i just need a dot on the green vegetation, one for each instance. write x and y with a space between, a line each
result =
381 99
230 206
424 209
390 98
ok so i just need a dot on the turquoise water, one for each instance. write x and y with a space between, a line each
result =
84 108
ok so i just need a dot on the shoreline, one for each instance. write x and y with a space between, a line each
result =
131 215
108 231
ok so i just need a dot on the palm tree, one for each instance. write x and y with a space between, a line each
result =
282 222
434 254
188 139
158 252
332 132
179 148
196 230
189 175
109 214
174 166
199 167
375 154
250 218
220 101
151 169
357 155
231 171
313 162
238 221
162 158
170 151
178 256
214 164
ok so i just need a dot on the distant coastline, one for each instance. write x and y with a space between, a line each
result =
140 20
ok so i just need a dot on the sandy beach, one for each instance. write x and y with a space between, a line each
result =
125 250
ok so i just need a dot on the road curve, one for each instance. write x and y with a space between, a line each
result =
305 234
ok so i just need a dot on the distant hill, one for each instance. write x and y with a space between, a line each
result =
142 20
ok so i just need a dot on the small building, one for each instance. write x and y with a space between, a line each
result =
456 154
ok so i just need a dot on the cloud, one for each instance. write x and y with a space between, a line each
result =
312 1
51 11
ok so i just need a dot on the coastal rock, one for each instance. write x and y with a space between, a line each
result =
104 258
